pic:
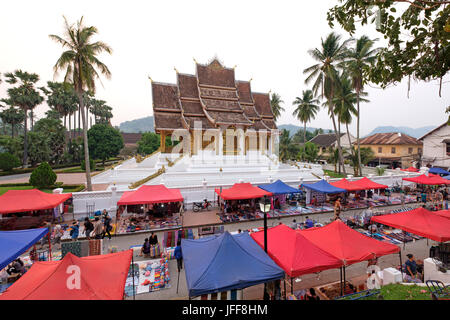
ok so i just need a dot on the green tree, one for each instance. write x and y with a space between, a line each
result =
54 133
62 98
104 142
149 143
309 152
324 74
306 110
418 36
43 176
360 59
80 62
285 141
13 117
101 111
275 103
26 97
367 155
12 145
39 149
8 161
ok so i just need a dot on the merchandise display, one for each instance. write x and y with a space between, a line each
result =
149 276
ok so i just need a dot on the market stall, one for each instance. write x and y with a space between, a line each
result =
226 263
438 171
428 180
150 207
320 190
419 221
15 243
348 245
280 191
101 278
23 209
239 202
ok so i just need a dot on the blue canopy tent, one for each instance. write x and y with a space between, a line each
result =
279 187
323 187
226 262
14 243
446 177
438 171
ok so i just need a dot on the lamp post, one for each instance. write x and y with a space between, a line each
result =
264 205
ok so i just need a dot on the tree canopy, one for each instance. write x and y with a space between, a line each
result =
104 142
418 35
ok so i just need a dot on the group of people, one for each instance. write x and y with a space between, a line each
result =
153 241
434 197
305 225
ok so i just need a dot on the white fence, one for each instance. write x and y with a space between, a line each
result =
195 193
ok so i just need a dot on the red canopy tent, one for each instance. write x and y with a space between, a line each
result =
347 244
294 253
240 191
410 169
347 185
150 194
100 278
428 180
419 221
30 200
443 213
368 184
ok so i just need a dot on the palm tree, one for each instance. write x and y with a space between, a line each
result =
306 109
344 102
324 74
275 103
360 58
26 97
285 141
80 62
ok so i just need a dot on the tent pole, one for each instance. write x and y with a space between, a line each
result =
292 285
401 265
284 287
340 270
49 246
345 283
132 264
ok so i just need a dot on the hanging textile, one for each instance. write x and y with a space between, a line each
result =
95 247
84 248
73 247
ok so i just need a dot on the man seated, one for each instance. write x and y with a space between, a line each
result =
412 275
309 223
314 201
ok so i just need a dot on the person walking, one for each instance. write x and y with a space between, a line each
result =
337 208
88 228
59 232
74 232
107 227
98 228
179 256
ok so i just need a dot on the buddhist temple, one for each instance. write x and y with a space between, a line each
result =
212 101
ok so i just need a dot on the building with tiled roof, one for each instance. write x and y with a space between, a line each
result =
326 140
436 147
214 100
395 149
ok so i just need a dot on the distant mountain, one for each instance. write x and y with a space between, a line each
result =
413 132
138 125
293 128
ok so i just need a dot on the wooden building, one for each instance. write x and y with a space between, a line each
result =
233 119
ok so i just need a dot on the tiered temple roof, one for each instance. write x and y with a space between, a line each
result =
213 97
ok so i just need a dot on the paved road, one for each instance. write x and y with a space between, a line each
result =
23 176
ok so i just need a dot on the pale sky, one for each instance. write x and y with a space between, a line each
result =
267 40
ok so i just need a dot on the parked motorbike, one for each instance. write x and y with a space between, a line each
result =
198 206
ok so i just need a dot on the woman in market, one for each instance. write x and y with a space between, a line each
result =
98 228
179 255
107 227
337 208
312 295
145 248
154 245
88 227
75 231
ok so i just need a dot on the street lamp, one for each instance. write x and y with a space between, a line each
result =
264 205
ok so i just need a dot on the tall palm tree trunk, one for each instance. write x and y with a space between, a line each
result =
355 169
25 141
304 133
70 128
79 119
338 139
31 119
86 147
357 133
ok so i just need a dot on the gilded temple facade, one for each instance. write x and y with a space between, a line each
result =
215 112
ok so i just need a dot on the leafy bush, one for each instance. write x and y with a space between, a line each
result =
43 176
91 164
8 161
